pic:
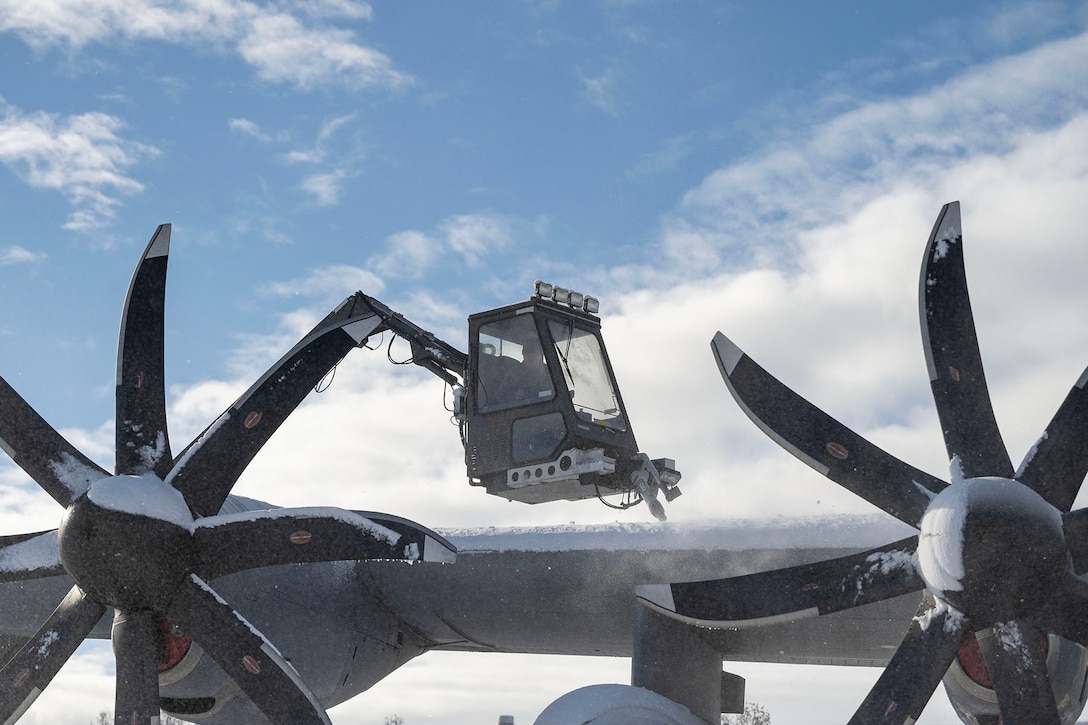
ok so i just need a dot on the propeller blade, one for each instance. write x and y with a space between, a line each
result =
916 668
258 669
1055 467
29 556
807 590
1075 526
1069 616
138 649
822 442
952 356
235 542
142 443
34 666
208 468
54 463
1016 660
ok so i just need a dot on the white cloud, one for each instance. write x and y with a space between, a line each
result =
1024 22
335 281
280 46
600 90
325 188
82 156
19 255
407 254
411 253
249 128
282 49
475 235
316 153
766 200
334 9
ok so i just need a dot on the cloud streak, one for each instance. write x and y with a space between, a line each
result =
18 255
818 175
293 45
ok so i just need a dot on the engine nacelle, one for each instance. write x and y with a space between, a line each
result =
971 692
616 705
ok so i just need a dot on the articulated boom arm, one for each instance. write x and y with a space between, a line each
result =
537 404
429 352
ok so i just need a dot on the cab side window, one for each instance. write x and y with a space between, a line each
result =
511 369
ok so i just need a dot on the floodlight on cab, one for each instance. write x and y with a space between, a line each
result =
592 305
543 289
577 299
560 295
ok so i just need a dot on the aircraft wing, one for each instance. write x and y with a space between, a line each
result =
570 590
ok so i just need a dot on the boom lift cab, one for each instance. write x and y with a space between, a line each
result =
545 419
540 412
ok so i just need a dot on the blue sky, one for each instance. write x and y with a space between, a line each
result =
769 169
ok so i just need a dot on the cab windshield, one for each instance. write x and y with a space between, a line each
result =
584 369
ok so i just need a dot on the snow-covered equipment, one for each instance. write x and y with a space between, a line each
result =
146 540
1004 615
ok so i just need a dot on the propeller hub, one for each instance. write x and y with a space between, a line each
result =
992 548
127 542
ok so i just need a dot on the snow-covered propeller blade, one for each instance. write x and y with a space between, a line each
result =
136 647
797 592
258 669
1055 467
206 471
28 672
142 442
54 463
822 442
1016 660
234 542
952 355
916 668
29 556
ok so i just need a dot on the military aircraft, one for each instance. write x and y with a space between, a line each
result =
224 609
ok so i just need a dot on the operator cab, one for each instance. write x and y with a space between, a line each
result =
545 419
